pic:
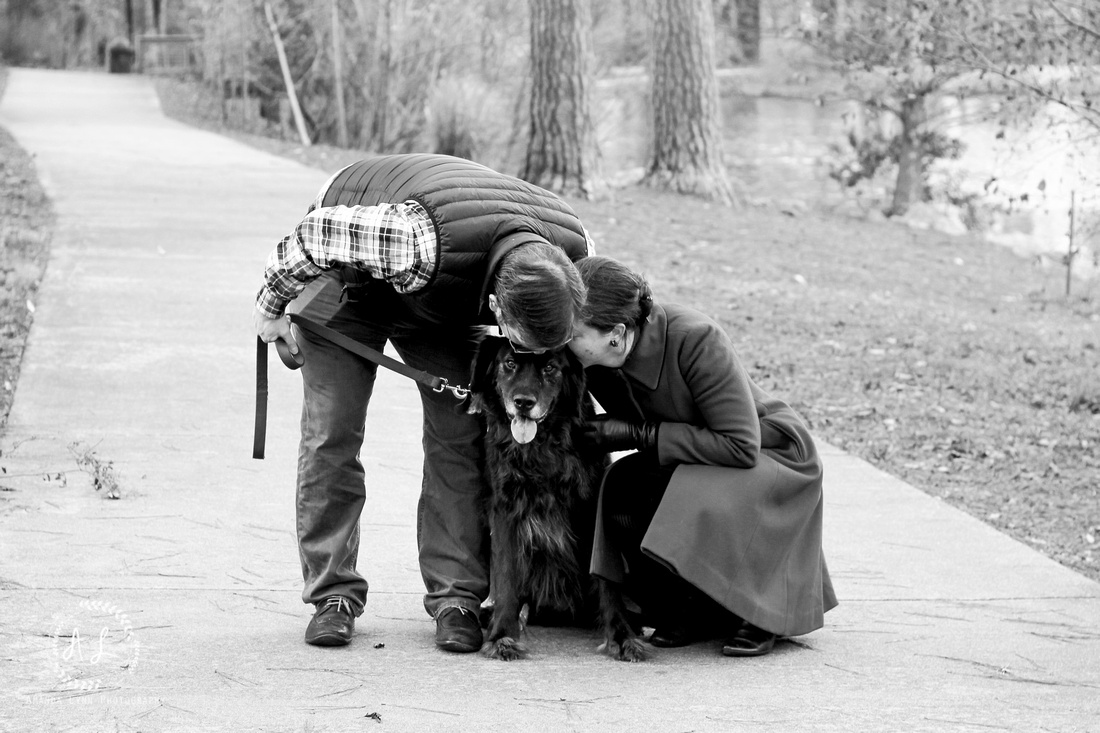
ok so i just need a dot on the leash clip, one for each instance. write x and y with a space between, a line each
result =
460 393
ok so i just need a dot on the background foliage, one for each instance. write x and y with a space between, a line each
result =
452 76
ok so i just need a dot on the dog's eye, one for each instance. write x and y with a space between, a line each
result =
510 364
550 368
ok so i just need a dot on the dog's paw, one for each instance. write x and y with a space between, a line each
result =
505 649
634 649
631 649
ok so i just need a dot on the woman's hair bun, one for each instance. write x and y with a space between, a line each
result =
645 300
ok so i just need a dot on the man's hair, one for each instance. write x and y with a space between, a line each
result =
539 291
616 294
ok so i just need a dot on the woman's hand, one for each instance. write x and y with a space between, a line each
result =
610 434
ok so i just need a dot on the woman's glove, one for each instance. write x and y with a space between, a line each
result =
610 435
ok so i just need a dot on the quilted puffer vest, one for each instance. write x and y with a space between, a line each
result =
478 215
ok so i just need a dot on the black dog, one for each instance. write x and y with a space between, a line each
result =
542 485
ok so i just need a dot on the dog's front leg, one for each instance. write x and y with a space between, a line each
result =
620 640
504 630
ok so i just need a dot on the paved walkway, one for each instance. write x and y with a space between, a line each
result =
176 608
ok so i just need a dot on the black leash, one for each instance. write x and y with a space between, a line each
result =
259 437
294 361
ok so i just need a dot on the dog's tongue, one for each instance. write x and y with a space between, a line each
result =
523 430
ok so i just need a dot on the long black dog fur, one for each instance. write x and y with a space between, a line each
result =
541 502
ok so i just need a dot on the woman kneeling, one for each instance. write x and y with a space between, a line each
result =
713 527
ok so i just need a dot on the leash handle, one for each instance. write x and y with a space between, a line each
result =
260 437
291 361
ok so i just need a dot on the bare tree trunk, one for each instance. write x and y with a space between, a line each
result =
727 49
243 78
736 32
298 120
687 144
338 78
907 190
748 30
359 37
385 64
562 153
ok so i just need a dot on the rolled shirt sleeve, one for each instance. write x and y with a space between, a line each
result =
391 242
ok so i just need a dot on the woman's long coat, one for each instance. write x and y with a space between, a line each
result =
741 517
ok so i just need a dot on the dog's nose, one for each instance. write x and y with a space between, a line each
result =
524 403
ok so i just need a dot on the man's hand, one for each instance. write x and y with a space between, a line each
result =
274 329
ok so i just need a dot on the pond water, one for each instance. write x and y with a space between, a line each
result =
774 146
778 149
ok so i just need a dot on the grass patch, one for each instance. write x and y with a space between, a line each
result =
946 361
26 228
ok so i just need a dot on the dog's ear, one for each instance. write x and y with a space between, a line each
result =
481 373
573 385
484 366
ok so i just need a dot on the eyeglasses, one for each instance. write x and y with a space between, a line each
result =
521 349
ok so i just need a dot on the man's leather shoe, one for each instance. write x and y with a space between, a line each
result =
457 630
332 624
749 641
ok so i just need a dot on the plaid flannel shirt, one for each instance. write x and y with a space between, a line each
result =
392 242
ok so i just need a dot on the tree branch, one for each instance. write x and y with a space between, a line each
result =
1091 32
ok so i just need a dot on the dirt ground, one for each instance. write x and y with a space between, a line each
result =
26 225
951 363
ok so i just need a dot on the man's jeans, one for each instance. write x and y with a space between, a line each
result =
331 493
